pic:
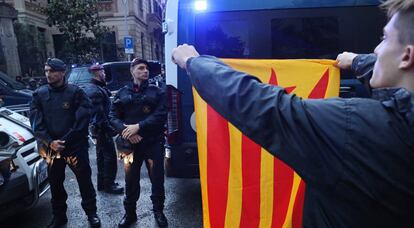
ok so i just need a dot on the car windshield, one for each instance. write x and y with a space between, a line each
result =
7 81
79 76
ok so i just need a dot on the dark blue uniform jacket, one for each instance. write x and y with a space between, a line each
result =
146 106
355 155
101 104
60 113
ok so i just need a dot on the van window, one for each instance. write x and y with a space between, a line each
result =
289 33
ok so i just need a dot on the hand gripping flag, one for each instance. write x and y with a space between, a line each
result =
242 184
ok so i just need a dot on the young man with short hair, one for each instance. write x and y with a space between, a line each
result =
355 155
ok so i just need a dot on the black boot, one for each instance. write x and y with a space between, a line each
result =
160 218
114 188
58 221
94 220
127 220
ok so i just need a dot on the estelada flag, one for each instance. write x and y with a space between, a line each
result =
242 184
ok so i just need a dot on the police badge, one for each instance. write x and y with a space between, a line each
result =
65 105
146 109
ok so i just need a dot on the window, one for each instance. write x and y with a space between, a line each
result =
152 49
79 76
142 45
316 37
288 33
141 5
157 52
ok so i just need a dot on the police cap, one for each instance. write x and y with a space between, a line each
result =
96 67
56 64
137 61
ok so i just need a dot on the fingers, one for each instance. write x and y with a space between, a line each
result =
126 133
135 139
130 130
182 53
57 145
345 59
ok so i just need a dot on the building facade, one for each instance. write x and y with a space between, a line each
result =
139 19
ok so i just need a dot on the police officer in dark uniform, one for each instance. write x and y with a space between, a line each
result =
102 131
60 118
138 114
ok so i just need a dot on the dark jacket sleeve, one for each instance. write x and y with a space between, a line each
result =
116 114
98 117
154 123
37 121
82 118
363 66
306 134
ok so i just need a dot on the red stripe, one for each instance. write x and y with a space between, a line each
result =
273 78
218 164
251 162
282 188
298 206
320 89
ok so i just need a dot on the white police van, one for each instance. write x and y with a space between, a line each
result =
23 173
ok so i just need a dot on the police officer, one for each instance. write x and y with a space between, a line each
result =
60 118
102 131
138 114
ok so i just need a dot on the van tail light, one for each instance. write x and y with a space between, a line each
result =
174 114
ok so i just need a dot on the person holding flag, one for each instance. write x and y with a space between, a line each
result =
355 155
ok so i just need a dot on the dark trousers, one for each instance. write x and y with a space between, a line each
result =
106 160
157 178
79 164
155 169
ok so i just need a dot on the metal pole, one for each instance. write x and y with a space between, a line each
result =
126 23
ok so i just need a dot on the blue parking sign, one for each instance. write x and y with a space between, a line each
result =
128 45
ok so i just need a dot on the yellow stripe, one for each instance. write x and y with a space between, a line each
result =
266 189
295 187
334 81
201 124
234 198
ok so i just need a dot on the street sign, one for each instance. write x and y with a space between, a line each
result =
128 45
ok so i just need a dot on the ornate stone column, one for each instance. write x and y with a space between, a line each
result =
8 39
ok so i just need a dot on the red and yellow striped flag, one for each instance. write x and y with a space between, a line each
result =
242 184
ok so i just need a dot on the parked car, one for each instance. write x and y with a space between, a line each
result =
117 74
23 173
12 92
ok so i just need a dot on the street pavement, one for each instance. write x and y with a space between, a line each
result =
182 206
